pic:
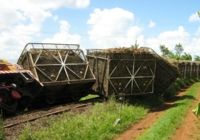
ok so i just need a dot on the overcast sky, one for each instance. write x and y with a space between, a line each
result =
99 24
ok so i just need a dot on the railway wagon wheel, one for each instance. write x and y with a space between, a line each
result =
24 103
8 105
76 97
50 100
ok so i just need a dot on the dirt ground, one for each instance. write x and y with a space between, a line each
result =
189 130
140 127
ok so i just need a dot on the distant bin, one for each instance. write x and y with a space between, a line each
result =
189 69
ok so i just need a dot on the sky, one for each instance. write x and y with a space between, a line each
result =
99 24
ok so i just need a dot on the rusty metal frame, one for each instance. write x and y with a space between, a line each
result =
188 70
60 61
133 76
132 73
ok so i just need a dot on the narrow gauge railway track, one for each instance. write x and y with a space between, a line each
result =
46 112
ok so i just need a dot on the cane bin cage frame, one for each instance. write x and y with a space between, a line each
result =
56 63
122 74
189 69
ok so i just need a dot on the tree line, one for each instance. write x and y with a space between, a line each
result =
177 54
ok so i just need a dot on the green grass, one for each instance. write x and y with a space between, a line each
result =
165 127
90 96
102 122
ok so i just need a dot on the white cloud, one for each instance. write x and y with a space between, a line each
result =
64 35
21 22
175 35
116 27
113 27
195 43
77 3
194 17
152 24
170 39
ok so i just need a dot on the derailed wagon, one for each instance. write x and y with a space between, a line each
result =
130 71
62 72
17 87
61 68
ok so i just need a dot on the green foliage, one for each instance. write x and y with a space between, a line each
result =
177 86
167 124
181 83
165 51
90 96
198 13
102 121
177 55
135 46
197 110
197 58
170 92
186 56
178 50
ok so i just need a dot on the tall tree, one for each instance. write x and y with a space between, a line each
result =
135 46
198 13
197 58
164 50
178 50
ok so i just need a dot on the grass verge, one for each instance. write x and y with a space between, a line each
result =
90 96
102 121
165 127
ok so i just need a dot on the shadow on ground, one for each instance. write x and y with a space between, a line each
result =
178 98
153 103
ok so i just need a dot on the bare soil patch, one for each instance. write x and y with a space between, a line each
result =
137 129
190 128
